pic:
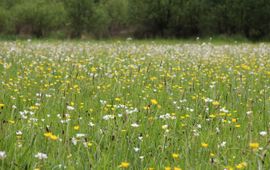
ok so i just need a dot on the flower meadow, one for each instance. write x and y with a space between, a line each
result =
134 105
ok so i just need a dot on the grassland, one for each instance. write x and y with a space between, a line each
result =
134 105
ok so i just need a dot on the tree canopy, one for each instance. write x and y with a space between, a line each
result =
138 18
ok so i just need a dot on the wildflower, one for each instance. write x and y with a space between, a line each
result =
41 156
91 124
134 125
117 99
93 69
168 168
53 137
47 134
245 67
212 155
74 141
11 121
215 103
70 108
175 156
107 117
204 145
124 165
136 149
177 168
2 105
50 136
254 145
263 133
80 135
228 168
19 133
154 101
241 165
89 144
3 154
222 145
237 126
76 127
208 100
249 112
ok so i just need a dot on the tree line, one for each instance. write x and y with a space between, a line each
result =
137 18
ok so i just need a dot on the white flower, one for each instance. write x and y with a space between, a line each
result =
19 132
80 135
164 126
74 141
91 124
3 154
107 117
224 110
223 144
41 156
48 95
249 112
263 133
134 125
208 100
70 108
136 149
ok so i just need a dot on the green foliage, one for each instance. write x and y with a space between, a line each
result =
38 17
79 15
102 21
141 18
3 19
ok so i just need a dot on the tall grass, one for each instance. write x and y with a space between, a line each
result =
135 105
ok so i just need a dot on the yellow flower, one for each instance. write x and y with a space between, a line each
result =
228 168
168 168
245 67
237 126
150 168
2 105
47 134
89 144
204 145
11 121
53 137
93 69
177 168
154 101
50 136
124 165
215 103
234 120
254 145
241 165
117 99
175 155
76 127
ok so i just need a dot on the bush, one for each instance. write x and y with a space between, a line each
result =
4 17
38 18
